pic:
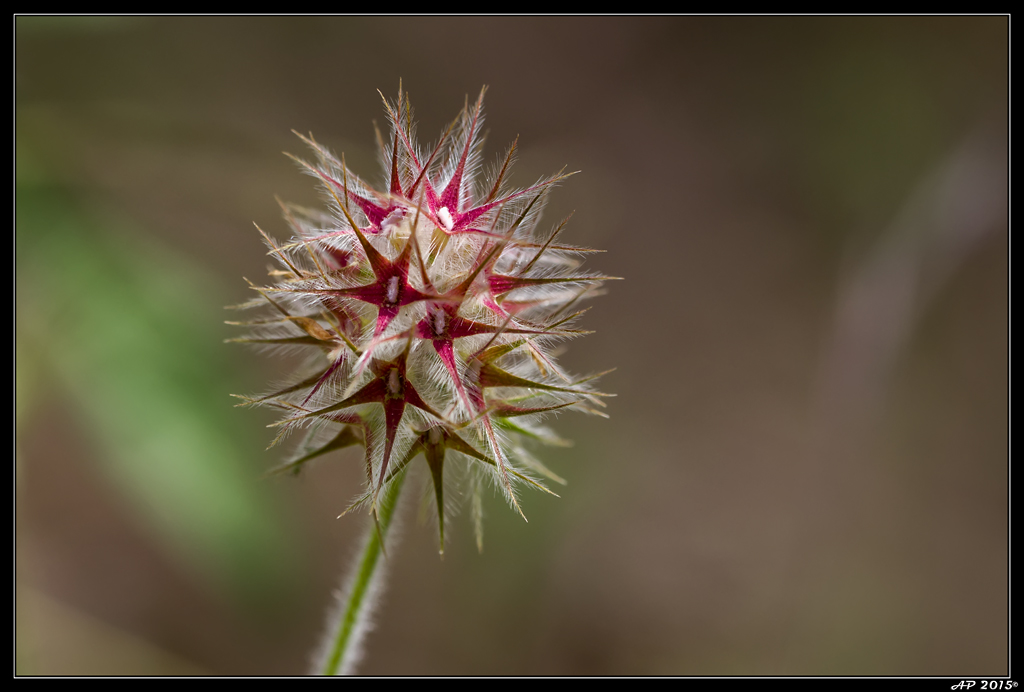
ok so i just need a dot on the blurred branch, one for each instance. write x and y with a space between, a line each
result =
959 204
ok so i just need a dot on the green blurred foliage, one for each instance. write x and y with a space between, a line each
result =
128 330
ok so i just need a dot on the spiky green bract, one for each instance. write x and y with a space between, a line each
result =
429 310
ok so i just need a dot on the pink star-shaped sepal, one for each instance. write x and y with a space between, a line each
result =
377 210
450 209
442 326
388 292
389 387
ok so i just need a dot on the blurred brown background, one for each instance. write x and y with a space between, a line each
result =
805 471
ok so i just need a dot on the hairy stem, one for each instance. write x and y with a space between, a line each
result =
342 643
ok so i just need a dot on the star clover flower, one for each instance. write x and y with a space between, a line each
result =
430 311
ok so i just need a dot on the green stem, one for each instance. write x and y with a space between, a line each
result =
345 634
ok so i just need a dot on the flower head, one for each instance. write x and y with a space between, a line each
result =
429 311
